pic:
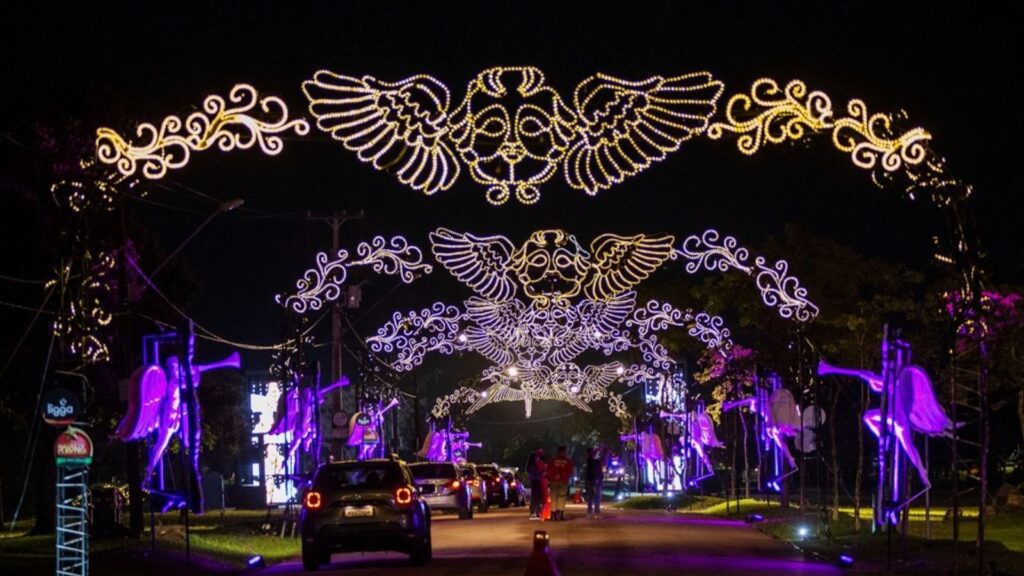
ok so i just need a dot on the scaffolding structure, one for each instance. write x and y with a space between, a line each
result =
72 520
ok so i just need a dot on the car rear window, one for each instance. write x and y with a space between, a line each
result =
425 471
358 476
488 471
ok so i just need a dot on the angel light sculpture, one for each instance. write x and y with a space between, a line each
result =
296 416
162 403
779 419
698 436
364 429
651 451
446 445
908 405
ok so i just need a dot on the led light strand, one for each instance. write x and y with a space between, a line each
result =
778 289
512 131
228 127
322 284
770 115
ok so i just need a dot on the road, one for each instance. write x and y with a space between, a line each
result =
623 543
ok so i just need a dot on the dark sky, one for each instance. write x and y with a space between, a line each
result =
955 69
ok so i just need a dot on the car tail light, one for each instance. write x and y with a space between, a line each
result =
313 500
512 483
455 484
403 495
475 483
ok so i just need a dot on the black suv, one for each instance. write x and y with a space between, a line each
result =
356 506
497 486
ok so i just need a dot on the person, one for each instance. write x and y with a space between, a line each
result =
535 468
593 478
559 474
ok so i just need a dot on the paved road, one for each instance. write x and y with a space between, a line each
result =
622 543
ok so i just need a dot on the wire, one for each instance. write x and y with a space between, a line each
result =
26 308
24 335
33 438
207 334
21 280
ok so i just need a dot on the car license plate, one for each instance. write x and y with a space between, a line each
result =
356 512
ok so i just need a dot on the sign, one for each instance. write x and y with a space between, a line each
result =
73 447
61 407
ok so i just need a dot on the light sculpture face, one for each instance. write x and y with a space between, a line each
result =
512 131
552 266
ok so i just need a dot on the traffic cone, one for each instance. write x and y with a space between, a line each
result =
540 563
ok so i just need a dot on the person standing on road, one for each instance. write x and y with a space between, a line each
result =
535 468
593 477
559 474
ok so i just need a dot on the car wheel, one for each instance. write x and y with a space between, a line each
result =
422 553
312 558
483 506
466 513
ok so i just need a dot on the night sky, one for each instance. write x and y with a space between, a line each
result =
955 70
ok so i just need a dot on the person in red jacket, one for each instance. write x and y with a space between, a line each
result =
559 473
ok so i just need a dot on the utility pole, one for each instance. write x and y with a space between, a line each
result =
335 221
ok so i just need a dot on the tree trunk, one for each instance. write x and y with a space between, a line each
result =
835 452
860 460
1020 413
746 457
732 479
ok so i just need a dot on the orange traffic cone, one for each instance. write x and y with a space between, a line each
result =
540 563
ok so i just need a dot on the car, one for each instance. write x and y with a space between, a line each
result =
470 476
441 486
516 488
497 486
368 505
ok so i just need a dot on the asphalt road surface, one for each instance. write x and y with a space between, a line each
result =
622 543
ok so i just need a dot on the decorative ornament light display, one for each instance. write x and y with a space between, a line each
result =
225 124
512 132
774 115
576 300
394 257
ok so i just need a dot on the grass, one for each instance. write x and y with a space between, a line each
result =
231 539
915 554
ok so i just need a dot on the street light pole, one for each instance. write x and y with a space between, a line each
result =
223 207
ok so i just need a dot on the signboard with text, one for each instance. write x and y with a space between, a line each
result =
73 448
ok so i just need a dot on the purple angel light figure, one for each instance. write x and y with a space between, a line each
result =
364 429
908 405
698 437
157 405
460 446
779 420
651 451
435 446
296 414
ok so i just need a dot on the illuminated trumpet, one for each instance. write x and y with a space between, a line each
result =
873 380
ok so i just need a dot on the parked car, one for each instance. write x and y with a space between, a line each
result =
471 477
495 483
442 487
371 505
516 488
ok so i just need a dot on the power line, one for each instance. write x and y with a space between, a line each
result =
22 280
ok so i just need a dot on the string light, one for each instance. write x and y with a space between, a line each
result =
551 266
512 131
170 145
774 115
322 284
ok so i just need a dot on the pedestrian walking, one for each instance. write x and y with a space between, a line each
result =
559 474
535 469
593 478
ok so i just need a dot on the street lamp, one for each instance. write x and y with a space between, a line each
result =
227 206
